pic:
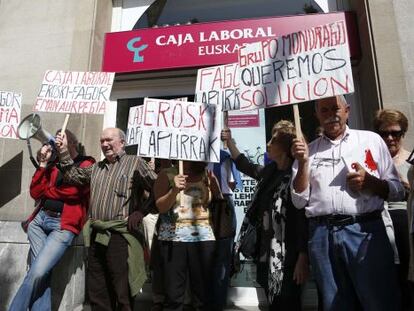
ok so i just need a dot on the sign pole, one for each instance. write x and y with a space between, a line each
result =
297 121
181 172
65 123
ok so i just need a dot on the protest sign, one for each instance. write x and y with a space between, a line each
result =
219 85
74 92
134 125
135 120
179 130
301 66
10 107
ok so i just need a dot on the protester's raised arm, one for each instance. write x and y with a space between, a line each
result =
165 195
79 176
227 138
300 152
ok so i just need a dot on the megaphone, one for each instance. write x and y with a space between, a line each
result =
31 127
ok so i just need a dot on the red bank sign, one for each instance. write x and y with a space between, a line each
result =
206 44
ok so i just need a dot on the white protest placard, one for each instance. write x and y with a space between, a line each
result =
134 122
134 125
74 92
219 85
10 107
172 129
301 66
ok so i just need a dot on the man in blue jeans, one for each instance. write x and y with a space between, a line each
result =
57 219
342 180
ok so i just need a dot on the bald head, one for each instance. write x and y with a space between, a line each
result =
112 143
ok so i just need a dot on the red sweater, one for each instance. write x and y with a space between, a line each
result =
75 199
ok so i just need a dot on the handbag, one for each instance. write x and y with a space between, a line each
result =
222 219
245 245
247 241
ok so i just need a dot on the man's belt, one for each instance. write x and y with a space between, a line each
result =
52 213
345 220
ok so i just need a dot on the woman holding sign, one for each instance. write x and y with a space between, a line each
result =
58 218
186 237
280 249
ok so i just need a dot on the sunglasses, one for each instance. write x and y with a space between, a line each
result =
394 134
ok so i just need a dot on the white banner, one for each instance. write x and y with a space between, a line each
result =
134 125
219 86
74 92
301 66
173 129
135 121
10 107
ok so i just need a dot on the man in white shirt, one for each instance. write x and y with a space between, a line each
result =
342 180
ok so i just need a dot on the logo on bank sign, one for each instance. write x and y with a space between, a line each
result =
136 49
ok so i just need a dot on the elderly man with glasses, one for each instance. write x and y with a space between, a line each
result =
342 179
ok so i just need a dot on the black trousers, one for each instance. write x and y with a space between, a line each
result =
157 280
400 221
107 276
180 259
289 298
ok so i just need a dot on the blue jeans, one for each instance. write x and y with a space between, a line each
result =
353 266
48 243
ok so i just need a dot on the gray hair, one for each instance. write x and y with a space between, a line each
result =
340 98
121 134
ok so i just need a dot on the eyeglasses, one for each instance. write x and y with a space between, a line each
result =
326 162
394 134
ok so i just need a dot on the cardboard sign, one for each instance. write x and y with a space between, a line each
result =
10 107
74 92
180 130
135 120
219 85
301 66
134 125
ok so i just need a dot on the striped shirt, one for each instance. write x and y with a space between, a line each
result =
117 189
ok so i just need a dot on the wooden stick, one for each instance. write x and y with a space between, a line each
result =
181 172
225 125
65 123
297 121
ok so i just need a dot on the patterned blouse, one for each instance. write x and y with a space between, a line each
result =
190 222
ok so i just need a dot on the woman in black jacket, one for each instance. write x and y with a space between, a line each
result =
281 248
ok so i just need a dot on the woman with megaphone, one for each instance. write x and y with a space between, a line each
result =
58 217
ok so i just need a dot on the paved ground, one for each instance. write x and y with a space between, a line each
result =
146 306
309 300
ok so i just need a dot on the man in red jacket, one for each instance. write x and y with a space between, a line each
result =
58 218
